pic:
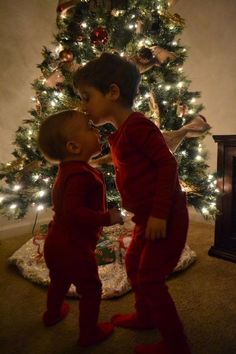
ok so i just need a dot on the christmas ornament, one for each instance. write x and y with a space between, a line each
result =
66 55
38 107
144 60
162 54
99 36
197 127
12 166
172 2
189 188
173 19
117 12
54 79
65 5
181 110
154 108
30 167
139 27
194 129
145 54
70 66
27 170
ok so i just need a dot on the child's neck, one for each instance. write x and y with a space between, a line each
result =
76 158
120 116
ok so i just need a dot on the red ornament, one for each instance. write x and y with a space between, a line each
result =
99 36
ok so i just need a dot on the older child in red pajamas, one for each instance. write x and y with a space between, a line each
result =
79 204
147 179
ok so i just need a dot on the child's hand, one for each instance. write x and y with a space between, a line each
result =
115 216
156 228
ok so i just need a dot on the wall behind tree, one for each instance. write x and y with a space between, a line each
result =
210 36
25 27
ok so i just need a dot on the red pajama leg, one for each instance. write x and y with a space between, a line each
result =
158 260
56 309
141 318
89 287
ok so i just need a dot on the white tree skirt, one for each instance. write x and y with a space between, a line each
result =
113 275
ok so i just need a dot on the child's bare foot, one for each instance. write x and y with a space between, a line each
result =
50 320
131 320
104 330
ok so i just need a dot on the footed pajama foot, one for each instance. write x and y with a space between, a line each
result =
131 321
104 330
50 320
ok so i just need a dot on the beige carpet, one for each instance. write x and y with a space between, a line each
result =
205 295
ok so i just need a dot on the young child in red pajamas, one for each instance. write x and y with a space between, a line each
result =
147 179
79 204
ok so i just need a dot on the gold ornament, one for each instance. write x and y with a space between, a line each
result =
32 166
197 127
162 54
117 12
66 55
181 110
12 166
154 108
189 188
172 2
55 78
65 5
173 19
143 65
174 138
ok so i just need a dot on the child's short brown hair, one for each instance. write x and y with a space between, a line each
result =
110 69
52 136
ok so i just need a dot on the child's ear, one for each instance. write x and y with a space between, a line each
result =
73 147
114 92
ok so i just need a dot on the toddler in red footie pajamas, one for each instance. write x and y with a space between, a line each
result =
79 203
147 179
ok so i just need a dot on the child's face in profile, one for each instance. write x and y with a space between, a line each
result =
95 104
83 133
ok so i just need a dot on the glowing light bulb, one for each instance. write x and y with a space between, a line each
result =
180 84
35 177
198 158
13 206
205 211
41 193
16 187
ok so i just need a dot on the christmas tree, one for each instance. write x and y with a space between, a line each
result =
147 33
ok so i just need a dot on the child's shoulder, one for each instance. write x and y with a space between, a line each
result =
138 119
